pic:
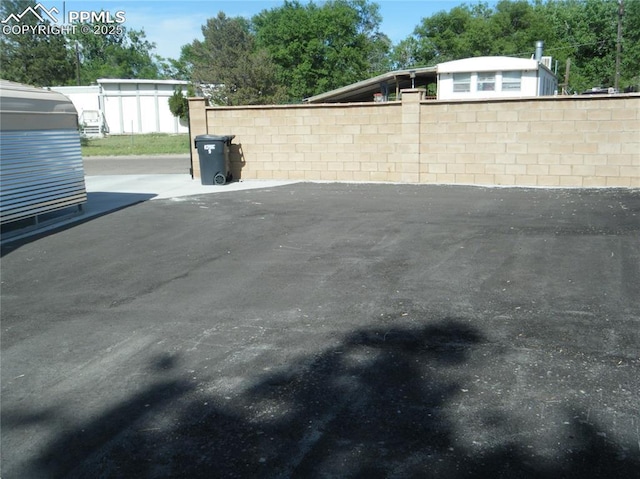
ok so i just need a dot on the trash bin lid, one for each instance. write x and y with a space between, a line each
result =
224 138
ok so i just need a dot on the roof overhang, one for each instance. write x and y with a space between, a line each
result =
363 91
487 64
133 81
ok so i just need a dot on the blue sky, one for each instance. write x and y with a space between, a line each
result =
171 24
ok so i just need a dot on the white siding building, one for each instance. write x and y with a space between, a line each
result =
495 77
119 106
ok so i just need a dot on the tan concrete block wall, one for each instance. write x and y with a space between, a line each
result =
561 141
309 142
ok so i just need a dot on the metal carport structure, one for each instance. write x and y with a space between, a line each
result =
41 169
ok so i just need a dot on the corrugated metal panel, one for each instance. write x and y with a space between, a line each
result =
40 171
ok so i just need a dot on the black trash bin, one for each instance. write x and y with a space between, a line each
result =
213 152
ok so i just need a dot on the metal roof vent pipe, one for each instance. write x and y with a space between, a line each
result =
539 47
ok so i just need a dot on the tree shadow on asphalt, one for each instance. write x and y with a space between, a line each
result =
372 406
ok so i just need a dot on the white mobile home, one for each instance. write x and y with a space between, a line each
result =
122 106
465 79
495 77
140 106
88 102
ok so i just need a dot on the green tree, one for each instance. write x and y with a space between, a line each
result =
478 30
583 31
517 25
68 57
169 68
630 72
579 38
178 102
118 53
38 59
404 54
228 65
462 32
318 48
586 32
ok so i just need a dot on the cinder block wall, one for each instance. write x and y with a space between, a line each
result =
560 141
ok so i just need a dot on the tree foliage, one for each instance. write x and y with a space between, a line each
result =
228 61
31 58
586 32
317 48
178 103
583 31
65 57
120 54
300 49
314 48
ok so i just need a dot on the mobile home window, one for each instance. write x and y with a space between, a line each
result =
511 81
487 81
461 82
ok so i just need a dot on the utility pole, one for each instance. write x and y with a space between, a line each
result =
616 83
77 64
565 85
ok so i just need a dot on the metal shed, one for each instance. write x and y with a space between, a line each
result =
41 170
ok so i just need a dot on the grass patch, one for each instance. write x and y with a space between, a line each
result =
121 145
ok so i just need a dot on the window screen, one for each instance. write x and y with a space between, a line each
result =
511 81
461 82
487 81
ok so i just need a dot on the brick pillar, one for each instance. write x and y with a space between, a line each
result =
197 126
409 148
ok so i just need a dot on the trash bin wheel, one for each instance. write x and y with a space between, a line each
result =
219 179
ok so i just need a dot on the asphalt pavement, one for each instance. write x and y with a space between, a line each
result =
117 182
328 330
